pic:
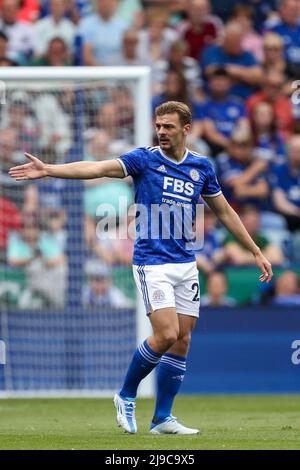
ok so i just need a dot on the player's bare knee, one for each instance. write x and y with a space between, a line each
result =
167 339
171 338
185 339
183 343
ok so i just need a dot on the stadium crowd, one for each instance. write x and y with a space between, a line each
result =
236 63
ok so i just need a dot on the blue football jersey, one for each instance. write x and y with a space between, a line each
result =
166 194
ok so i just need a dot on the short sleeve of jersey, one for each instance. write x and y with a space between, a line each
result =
135 162
211 186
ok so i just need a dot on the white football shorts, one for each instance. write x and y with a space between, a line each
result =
169 285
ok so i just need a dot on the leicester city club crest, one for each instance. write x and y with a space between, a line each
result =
194 175
158 295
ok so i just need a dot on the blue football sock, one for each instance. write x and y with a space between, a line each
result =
143 362
170 375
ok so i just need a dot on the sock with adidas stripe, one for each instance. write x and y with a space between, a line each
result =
143 362
170 374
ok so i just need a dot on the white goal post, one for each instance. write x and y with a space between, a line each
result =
37 80
141 75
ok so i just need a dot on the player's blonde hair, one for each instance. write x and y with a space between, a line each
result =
170 107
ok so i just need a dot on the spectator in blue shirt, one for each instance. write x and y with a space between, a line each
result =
76 9
102 33
288 27
216 292
41 256
287 290
269 145
240 65
242 176
211 255
221 113
236 254
100 293
263 9
286 185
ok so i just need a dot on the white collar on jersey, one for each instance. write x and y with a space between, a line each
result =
173 159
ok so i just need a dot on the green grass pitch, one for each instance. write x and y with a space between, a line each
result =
227 422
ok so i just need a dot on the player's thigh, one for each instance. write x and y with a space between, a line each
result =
186 324
165 322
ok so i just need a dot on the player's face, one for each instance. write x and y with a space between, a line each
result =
170 132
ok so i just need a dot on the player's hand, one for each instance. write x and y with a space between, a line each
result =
265 266
30 171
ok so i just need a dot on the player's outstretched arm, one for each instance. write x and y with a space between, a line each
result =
36 169
230 219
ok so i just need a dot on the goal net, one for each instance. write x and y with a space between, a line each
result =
69 317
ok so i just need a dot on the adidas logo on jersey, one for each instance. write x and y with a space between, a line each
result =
162 168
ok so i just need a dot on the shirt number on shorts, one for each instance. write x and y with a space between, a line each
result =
195 288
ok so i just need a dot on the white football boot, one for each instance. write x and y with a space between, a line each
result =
171 426
125 414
